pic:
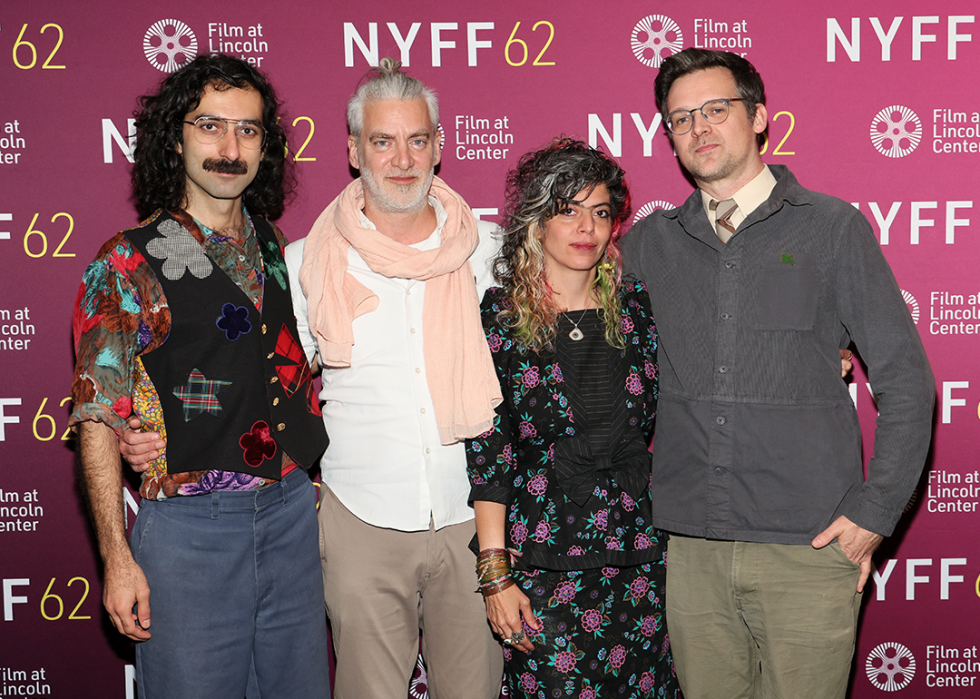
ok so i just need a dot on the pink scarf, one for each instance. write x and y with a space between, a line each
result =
461 377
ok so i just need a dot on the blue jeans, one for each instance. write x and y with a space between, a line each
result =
236 595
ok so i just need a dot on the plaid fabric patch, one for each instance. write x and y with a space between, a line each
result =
200 395
292 376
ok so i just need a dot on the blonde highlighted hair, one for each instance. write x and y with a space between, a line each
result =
541 185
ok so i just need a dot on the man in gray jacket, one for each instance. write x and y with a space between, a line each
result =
754 282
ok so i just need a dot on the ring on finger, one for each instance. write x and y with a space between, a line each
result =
517 637
507 641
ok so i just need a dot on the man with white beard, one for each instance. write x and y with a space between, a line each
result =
396 258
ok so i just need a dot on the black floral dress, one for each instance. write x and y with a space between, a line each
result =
568 458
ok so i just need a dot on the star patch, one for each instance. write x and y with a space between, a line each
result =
200 395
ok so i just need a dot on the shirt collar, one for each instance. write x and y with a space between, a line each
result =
209 233
749 197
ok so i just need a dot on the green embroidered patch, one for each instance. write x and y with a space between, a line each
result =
275 266
788 259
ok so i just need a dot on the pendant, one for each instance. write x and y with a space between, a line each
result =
576 334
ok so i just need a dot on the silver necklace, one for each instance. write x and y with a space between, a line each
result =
576 334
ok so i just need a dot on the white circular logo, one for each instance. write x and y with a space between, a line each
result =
649 208
652 35
912 304
896 131
169 44
890 667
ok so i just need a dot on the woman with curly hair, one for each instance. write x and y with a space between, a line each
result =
571 570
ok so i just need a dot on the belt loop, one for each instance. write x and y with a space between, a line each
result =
215 505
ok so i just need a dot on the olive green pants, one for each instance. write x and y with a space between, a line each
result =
761 621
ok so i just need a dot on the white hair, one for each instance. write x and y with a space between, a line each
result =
389 82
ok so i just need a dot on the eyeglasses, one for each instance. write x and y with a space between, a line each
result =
209 130
713 111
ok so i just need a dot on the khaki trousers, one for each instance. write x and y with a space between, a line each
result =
761 621
383 586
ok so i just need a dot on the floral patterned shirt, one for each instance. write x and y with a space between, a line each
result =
120 313
572 503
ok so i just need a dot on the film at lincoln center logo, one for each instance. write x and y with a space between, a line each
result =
890 667
169 44
649 208
652 36
896 131
912 304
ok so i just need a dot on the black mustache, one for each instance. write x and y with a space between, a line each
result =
228 167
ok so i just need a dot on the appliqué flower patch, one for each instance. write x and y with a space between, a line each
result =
234 321
258 444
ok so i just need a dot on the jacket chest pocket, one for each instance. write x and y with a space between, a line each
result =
786 297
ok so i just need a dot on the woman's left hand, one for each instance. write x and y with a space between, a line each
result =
505 611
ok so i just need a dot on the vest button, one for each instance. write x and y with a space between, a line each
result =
274 379
281 426
264 329
275 401
270 355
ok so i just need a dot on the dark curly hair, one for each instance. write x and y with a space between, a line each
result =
158 176
542 184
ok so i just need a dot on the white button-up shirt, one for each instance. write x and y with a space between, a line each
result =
385 462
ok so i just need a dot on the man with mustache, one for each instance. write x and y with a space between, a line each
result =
186 323
386 290
757 468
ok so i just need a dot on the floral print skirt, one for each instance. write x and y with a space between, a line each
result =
603 634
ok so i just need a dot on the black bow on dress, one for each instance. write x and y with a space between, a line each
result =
579 471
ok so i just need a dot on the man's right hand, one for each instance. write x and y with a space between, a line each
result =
126 587
139 448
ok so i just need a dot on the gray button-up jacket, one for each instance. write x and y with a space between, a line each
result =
757 438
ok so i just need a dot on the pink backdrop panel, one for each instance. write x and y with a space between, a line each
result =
877 103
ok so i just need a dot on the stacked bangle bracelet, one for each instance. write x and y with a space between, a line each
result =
493 571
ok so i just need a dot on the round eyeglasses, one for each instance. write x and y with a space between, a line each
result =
713 111
209 130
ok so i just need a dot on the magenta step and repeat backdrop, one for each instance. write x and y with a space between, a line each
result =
875 102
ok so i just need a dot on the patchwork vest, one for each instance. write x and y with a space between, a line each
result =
234 384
